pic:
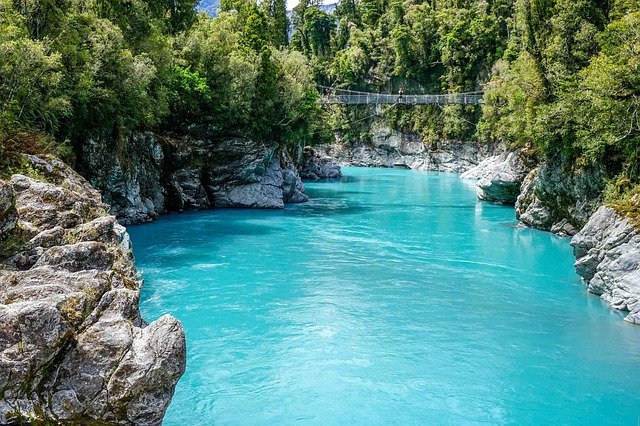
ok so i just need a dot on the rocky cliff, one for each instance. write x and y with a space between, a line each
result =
73 347
558 197
144 175
391 148
607 252
318 167
549 194
561 199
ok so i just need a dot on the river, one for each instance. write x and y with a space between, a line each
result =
394 296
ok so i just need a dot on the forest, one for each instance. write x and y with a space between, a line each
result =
560 77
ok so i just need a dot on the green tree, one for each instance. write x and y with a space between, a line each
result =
30 77
609 99
276 11
107 84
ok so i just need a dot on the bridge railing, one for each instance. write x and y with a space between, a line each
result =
347 97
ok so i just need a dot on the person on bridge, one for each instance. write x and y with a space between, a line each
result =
400 93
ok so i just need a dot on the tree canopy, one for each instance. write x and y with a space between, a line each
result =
559 76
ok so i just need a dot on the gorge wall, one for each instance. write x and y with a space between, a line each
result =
391 148
145 175
73 346
607 252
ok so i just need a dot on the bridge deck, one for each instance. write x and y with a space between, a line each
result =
349 97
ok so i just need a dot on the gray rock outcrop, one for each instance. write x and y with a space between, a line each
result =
8 215
73 346
500 177
129 175
318 167
555 198
242 173
292 186
607 252
148 174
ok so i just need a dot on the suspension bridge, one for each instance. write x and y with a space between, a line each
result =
332 95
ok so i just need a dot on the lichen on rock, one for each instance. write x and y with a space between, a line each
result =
73 346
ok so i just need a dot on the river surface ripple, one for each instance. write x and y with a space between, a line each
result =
394 296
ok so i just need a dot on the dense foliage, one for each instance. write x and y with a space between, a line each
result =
436 46
559 76
79 69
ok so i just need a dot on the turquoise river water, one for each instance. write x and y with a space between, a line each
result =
392 297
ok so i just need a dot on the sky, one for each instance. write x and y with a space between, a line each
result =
293 3
211 6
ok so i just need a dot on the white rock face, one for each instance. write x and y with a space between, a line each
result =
411 153
384 137
73 347
607 252
499 177
556 198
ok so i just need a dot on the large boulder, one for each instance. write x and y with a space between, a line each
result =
73 346
317 167
244 173
607 252
500 177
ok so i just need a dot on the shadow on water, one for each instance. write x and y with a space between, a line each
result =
204 227
337 193
317 207
343 179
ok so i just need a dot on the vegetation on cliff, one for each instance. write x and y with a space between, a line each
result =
559 76
83 69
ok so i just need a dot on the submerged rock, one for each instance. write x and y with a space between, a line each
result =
73 346
500 177
607 252
317 167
